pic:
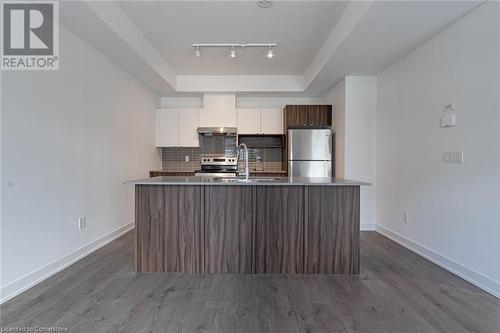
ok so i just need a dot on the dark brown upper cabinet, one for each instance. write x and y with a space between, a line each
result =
308 115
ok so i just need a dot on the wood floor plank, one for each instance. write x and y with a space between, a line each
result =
430 294
396 291
284 322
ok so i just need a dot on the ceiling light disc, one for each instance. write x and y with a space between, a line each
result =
264 3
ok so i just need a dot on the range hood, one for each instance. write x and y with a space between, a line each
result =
217 131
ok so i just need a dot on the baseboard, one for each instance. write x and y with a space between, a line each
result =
364 226
482 281
31 279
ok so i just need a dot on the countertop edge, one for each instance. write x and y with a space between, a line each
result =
280 181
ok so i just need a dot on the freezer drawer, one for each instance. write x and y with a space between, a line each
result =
310 144
310 168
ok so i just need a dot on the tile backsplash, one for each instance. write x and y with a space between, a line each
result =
271 159
174 158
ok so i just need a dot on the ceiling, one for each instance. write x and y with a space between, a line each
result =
319 41
388 32
299 27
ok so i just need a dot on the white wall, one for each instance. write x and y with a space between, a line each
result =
336 97
241 102
354 102
277 102
360 125
70 138
454 208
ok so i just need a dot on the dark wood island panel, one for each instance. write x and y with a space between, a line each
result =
279 229
247 229
332 230
229 227
169 229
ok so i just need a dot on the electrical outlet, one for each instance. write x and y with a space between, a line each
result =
405 217
186 158
81 223
453 156
448 119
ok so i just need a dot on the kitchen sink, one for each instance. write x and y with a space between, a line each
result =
263 180
251 180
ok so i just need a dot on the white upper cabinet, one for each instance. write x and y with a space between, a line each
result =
209 118
167 128
219 110
271 121
248 121
177 128
188 128
260 121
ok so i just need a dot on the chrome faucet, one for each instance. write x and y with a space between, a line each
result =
244 147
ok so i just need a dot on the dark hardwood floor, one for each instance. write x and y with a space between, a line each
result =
397 291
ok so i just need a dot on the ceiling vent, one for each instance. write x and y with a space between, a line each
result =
264 3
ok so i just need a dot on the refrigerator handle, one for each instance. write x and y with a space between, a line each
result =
327 146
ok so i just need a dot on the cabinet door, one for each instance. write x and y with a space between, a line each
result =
228 227
167 128
332 230
169 229
208 117
296 115
249 121
319 115
271 121
188 128
279 228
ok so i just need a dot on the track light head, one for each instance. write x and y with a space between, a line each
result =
198 52
270 53
232 54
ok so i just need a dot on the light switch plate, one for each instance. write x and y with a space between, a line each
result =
186 158
453 157
81 223
449 107
405 217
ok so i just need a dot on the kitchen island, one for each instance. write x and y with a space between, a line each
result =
266 225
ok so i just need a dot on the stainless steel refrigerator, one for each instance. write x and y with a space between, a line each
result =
310 152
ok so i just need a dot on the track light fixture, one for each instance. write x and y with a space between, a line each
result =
232 52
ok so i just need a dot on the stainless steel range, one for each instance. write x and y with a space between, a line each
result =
218 166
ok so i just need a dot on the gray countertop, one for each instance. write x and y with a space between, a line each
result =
251 171
254 181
